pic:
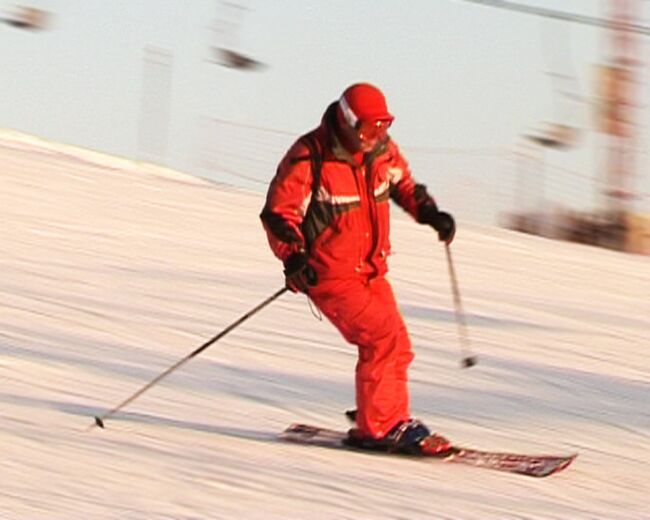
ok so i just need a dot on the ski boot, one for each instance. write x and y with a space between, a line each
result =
410 437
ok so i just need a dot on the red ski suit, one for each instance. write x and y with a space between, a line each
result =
345 231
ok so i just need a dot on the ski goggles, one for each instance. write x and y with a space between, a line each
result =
372 130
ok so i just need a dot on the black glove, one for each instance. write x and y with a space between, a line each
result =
299 275
441 221
445 225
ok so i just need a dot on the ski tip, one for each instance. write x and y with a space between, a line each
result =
560 467
571 458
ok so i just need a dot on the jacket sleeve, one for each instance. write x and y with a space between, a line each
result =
287 199
408 194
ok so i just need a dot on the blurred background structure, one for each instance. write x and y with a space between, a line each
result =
535 119
25 17
616 102
153 131
226 50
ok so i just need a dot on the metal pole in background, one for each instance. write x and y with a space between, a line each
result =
153 127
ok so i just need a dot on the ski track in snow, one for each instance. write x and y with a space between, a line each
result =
113 271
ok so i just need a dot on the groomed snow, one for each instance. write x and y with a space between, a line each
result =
113 271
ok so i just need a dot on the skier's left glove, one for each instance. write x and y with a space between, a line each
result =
299 275
441 221
445 225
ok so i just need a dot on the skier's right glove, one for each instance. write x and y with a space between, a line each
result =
299 275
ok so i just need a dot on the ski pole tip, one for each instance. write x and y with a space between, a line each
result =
469 362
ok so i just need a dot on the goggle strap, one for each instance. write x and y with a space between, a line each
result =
350 117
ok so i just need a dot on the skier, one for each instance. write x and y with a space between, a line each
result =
327 218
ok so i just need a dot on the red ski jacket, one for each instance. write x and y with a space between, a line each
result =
336 208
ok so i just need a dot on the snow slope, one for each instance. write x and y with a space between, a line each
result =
113 271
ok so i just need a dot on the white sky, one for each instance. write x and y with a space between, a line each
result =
457 75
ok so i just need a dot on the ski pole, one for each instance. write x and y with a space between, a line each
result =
468 360
99 420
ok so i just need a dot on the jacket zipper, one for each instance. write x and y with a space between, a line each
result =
360 179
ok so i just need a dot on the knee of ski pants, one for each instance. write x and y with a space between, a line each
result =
366 314
391 353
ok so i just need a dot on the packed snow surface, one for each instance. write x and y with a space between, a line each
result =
112 271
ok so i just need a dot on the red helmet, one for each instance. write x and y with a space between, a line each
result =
363 107
364 102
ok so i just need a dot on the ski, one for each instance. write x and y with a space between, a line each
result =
529 465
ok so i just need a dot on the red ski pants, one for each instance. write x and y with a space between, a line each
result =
366 314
